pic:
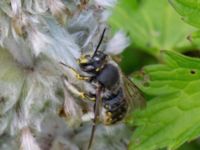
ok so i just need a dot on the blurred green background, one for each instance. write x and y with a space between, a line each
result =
153 26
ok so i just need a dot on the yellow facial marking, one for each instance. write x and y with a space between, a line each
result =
82 60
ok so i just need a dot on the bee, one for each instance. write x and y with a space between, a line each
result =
113 90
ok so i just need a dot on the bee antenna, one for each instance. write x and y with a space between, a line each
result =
101 39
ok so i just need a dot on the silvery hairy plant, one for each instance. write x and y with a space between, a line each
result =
35 35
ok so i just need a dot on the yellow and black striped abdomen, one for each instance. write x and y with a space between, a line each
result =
116 108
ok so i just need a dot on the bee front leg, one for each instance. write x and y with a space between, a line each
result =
78 76
78 93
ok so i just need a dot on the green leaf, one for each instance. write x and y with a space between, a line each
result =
172 114
195 38
131 60
194 145
152 25
189 9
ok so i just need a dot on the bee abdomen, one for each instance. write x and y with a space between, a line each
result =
116 108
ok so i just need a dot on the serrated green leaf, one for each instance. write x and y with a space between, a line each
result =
172 115
195 38
152 25
189 9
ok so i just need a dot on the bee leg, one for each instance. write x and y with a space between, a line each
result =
78 93
78 76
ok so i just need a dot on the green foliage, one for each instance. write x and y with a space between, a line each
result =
152 25
172 115
172 87
195 38
131 60
194 145
190 10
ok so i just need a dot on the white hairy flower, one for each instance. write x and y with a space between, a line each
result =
27 140
35 36
106 3
117 44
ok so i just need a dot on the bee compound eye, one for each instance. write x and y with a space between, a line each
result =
96 58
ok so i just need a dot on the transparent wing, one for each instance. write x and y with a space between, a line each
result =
133 95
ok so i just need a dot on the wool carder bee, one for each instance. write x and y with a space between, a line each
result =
112 89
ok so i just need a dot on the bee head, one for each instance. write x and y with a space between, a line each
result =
95 62
92 64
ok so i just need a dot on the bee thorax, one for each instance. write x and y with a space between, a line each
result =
109 76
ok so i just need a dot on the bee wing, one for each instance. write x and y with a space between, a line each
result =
133 95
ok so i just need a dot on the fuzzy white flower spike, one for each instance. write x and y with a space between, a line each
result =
117 44
106 3
27 140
